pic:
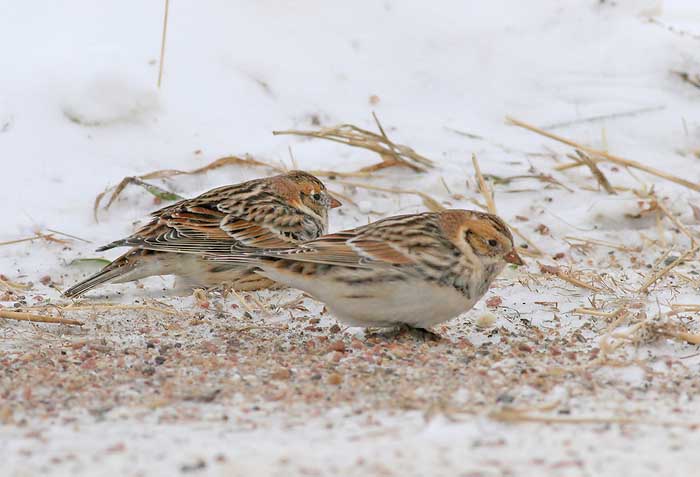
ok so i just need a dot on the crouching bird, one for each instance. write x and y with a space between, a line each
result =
415 270
270 213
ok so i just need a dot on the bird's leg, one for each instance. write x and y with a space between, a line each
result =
384 333
421 333
403 329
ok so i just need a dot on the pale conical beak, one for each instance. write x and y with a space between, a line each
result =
514 258
335 202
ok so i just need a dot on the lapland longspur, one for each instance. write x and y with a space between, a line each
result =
416 270
271 212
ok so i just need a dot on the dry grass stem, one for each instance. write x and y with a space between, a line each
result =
103 306
691 338
484 188
57 232
604 243
679 308
12 242
594 312
609 157
688 78
601 117
694 282
673 29
662 258
334 174
487 193
532 250
165 173
155 190
37 236
14 285
547 179
162 43
430 203
597 173
675 221
606 343
574 164
510 416
392 154
664 271
22 316
567 277
240 299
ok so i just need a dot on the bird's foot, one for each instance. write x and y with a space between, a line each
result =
422 334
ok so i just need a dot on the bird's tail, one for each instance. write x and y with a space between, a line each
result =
133 265
106 275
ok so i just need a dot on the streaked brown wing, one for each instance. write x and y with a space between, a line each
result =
381 251
252 234
202 229
345 249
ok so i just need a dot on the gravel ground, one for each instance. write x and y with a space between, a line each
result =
584 362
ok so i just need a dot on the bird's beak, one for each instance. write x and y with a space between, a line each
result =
335 202
514 258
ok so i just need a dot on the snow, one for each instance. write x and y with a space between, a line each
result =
79 110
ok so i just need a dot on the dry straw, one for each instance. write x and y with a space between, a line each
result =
604 155
165 173
487 193
392 154
162 42
23 316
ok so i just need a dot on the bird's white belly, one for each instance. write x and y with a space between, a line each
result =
415 304
412 302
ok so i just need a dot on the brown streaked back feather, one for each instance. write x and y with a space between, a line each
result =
256 213
382 243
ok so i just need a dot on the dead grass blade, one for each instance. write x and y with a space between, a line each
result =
162 43
57 232
532 250
688 78
37 236
392 154
483 188
12 242
102 306
603 243
602 154
487 193
608 315
567 277
511 416
22 316
547 179
429 203
108 306
152 189
661 273
680 308
674 219
601 117
597 173
165 173
13 285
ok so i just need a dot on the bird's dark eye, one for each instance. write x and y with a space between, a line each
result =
493 242
316 196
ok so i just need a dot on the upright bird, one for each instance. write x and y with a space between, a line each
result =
416 270
272 212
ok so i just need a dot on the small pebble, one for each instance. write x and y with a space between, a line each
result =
485 320
335 379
